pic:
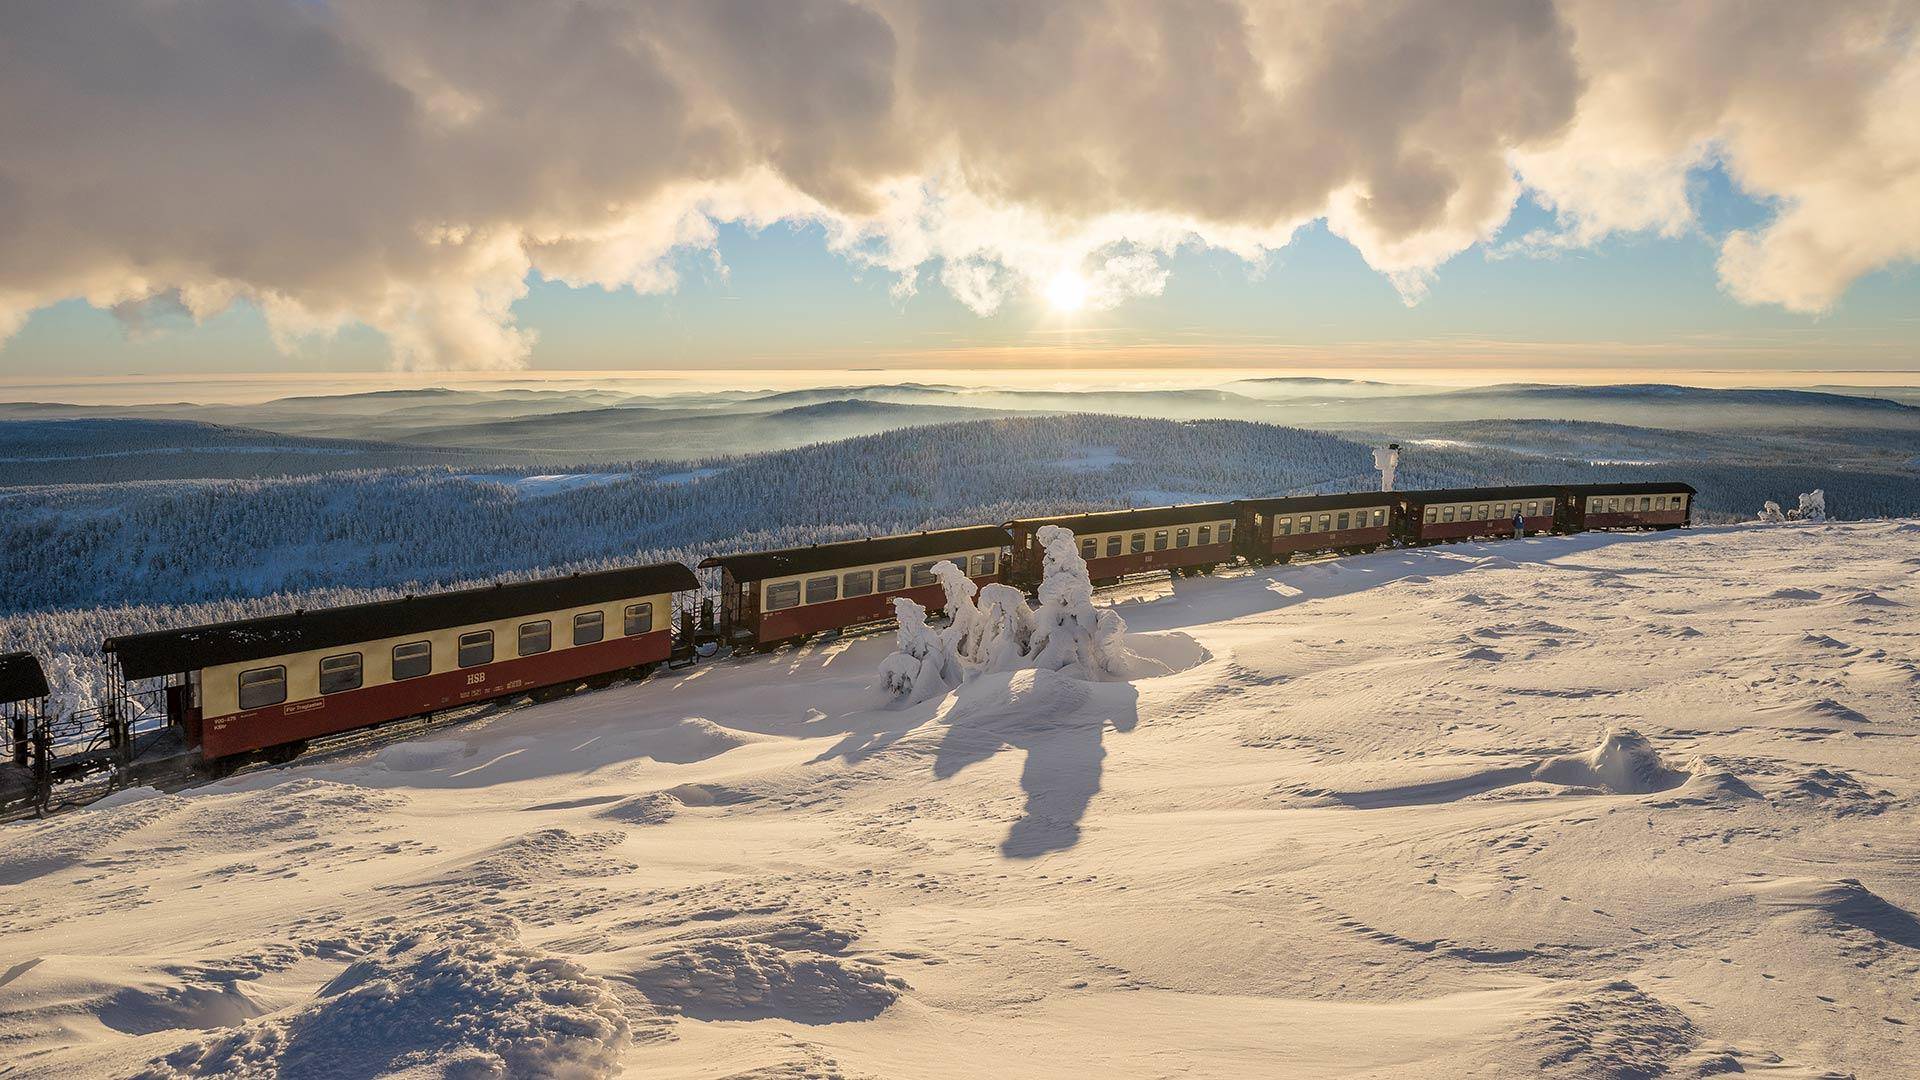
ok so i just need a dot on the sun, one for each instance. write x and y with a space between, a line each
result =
1067 292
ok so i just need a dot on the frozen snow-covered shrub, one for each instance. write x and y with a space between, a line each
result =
922 667
1813 506
998 631
1068 631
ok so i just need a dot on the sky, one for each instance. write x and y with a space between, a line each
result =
1529 188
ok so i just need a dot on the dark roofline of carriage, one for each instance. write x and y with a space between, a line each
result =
1344 500
21 678
1447 495
168 652
1145 517
1636 488
760 565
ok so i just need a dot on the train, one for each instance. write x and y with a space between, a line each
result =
227 694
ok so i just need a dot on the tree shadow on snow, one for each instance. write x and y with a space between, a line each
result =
1061 724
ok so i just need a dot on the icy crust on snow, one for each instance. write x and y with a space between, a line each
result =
992 629
464 1000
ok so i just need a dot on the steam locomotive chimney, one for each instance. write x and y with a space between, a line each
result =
1387 461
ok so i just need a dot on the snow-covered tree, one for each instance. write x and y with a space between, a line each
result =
1000 632
1770 512
1813 506
1068 631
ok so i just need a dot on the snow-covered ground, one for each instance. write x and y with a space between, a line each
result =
1602 806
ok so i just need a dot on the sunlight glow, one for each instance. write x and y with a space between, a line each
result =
1067 291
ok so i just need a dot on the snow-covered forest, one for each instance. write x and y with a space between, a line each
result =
82 562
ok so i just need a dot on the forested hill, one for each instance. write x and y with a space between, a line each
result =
187 541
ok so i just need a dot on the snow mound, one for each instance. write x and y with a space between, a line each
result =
420 756
1024 700
728 978
1615 1031
465 1000
1868 598
1833 790
1810 712
1842 902
689 739
1624 763
655 808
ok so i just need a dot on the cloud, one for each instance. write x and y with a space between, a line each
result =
409 164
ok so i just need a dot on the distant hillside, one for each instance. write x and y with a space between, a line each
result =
119 449
649 433
170 542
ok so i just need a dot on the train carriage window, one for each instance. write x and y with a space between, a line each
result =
1432 515
1533 508
1613 505
263 686
893 579
412 660
477 648
986 564
1446 514
639 619
1483 511
1226 533
1344 523
1182 537
1500 510
858 583
822 590
1646 504
1594 506
1113 545
1159 539
1205 535
536 637
339 674
1089 547
589 627
1283 526
1138 544
1379 517
1326 522
1306 524
921 574
782 596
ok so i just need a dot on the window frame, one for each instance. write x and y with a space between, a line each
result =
627 620
1159 539
394 660
864 587
520 638
1203 536
278 674
469 640
920 575
1115 546
596 618
898 574
359 673
822 589
1137 543
776 591
1182 538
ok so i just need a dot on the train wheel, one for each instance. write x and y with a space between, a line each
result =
218 768
285 752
